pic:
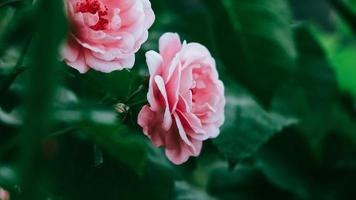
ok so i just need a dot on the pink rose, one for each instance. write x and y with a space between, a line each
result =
106 34
4 195
186 98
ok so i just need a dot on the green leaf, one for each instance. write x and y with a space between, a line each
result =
9 118
121 144
345 62
286 161
16 29
75 176
112 87
244 183
260 44
247 126
352 4
9 2
341 55
185 191
314 92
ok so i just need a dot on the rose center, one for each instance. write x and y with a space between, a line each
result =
200 84
94 7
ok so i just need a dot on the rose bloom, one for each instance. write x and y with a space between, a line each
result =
4 195
106 34
186 98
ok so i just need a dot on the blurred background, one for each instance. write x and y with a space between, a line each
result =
289 69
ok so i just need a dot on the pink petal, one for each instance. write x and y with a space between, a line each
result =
102 65
167 119
70 51
154 61
169 45
181 131
176 152
146 118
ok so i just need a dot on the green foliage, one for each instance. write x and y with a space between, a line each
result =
289 129
261 37
127 149
315 93
248 125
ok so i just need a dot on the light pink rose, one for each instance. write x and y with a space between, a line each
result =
186 98
4 195
106 34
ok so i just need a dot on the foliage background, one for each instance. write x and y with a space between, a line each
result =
289 70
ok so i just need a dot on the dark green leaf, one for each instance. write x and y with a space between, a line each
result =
184 191
313 93
121 144
9 2
243 183
286 162
259 50
248 126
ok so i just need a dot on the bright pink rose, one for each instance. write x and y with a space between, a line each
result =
186 98
106 34
4 195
